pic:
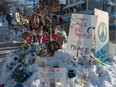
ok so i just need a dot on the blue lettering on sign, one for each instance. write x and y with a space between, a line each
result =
101 54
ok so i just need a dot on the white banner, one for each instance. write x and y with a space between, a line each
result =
80 34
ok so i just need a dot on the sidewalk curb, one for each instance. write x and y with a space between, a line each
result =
8 48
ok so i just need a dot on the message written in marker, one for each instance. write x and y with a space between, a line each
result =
78 48
52 75
80 34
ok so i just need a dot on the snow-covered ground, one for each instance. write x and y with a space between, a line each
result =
3 21
96 75
14 35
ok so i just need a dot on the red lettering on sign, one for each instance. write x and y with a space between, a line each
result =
82 24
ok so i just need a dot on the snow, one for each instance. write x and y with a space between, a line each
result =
98 75
111 3
95 75
14 36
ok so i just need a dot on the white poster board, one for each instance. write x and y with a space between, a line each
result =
52 75
80 33
102 35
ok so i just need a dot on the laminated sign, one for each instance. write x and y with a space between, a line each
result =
102 35
81 33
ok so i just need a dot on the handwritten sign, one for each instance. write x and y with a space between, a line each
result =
80 34
52 75
102 35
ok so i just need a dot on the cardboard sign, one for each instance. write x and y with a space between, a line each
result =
80 34
52 75
102 35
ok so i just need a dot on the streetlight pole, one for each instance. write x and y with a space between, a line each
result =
87 5
103 4
34 4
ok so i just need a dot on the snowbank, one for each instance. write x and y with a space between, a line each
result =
98 76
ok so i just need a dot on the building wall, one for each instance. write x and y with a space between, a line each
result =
113 8
91 3
70 1
94 4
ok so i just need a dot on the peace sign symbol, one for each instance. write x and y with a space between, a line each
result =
53 46
102 32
